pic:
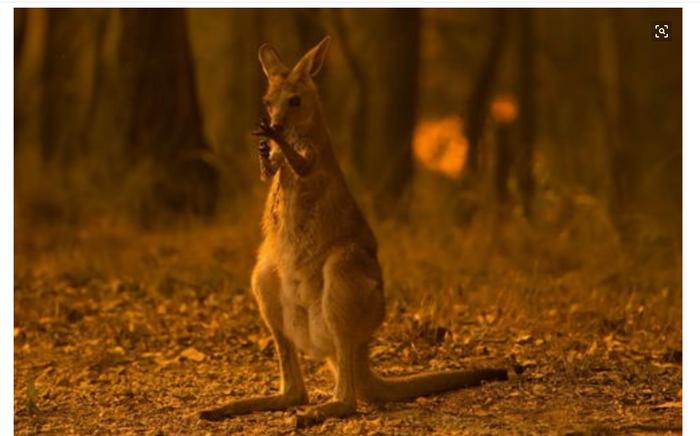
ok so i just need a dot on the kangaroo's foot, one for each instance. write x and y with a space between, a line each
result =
255 404
317 414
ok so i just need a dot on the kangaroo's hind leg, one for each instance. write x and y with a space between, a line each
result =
265 284
353 307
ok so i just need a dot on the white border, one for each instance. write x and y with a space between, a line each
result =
6 221
691 215
691 183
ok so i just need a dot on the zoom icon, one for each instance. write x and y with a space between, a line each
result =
661 31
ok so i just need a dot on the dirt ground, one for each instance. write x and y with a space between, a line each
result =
114 351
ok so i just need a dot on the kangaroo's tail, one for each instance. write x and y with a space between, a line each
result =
377 389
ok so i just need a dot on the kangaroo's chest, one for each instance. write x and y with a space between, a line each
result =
295 218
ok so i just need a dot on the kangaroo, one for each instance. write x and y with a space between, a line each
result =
317 280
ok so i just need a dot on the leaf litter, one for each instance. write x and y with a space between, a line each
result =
99 354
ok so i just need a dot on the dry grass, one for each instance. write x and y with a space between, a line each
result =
119 330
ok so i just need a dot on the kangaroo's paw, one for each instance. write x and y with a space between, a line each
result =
256 404
217 414
318 414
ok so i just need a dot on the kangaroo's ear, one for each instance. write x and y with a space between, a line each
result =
312 61
270 60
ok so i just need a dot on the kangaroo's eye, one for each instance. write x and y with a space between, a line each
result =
295 101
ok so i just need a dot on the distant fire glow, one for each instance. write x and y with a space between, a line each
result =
440 145
504 109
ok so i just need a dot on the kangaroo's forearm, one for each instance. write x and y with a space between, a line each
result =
268 168
300 165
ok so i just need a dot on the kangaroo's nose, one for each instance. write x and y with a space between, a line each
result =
277 126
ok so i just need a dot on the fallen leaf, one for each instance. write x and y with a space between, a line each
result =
193 354
669 405
163 362
154 354
488 318
528 363
665 365
379 350
591 349
523 338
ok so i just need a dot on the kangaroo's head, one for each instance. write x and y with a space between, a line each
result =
291 100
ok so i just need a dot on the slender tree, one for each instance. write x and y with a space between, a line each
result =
358 124
247 85
526 97
20 21
394 69
165 122
67 84
477 109
402 59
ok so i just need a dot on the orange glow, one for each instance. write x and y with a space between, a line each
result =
440 145
504 109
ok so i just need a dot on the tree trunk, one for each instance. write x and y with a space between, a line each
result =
526 96
247 85
403 95
358 124
110 103
504 161
101 20
483 87
20 20
165 123
68 82
610 99
390 158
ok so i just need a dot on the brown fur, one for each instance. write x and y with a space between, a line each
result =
317 280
